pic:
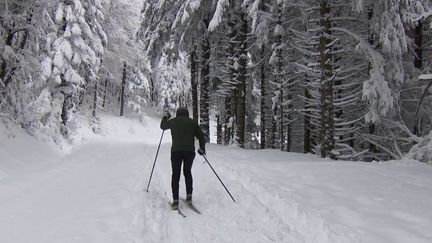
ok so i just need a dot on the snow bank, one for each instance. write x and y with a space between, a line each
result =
143 127
19 151
333 201
422 151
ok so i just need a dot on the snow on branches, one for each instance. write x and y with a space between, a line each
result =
218 15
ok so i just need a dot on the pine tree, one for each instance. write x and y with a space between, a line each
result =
280 82
22 30
397 19
339 77
261 14
336 95
74 46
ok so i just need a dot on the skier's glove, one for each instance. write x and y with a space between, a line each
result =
201 151
167 115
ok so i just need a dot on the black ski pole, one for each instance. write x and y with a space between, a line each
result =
205 157
154 163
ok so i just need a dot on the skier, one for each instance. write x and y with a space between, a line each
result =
183 132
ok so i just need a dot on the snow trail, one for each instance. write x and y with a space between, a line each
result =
97 194
258 215
82 198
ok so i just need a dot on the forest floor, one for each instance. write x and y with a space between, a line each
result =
96 193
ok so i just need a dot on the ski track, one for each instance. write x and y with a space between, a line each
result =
97 194
248 220
87 192
296 223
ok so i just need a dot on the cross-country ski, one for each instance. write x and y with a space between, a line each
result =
178 210
191 206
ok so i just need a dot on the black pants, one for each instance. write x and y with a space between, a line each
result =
177 158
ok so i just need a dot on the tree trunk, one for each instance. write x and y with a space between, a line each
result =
227 122
204 87
241 88
418 62
122 94
66 91
307 124
231 86
418 40
95 99
105 93
273 130
3 67
263 100
152 90
288 128
371 39
326 92
64 113
67 102
194 84
279 80
219 133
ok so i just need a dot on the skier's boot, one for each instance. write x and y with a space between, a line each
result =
189 198
174 205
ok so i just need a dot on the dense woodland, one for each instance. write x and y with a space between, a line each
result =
345 79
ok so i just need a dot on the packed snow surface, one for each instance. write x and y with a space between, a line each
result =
96 193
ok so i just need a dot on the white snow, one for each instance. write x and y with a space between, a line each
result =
76 30
279 30
59 60
96 193
7 52
59 13
425 77
217 16
191 7
35 111
46 67
72 76
358 6
422 151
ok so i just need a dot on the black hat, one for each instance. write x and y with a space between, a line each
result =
182 111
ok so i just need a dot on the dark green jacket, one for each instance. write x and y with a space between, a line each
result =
183 133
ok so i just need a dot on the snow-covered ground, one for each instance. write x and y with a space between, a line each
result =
96 193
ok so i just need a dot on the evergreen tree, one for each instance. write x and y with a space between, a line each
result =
73 47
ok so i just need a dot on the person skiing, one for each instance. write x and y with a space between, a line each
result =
183 133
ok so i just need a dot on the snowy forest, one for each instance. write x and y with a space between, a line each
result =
344 79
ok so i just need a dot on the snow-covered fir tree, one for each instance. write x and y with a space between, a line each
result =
343 79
